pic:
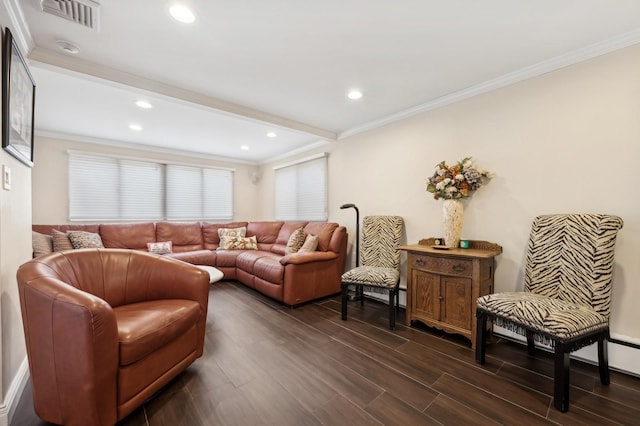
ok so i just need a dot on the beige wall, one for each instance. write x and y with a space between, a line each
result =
50 177
15 249
567 141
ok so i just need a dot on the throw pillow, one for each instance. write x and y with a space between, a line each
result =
296 240
232 232
84 239
161 247
42 244
61 241
238 243
310 244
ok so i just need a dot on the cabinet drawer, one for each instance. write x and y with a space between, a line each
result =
460 267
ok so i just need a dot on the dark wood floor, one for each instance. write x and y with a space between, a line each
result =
265 364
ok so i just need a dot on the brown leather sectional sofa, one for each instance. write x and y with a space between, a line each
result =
292 278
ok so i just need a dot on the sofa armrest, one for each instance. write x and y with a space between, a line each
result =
72 342
308 257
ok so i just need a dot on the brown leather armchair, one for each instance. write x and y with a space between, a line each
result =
107 328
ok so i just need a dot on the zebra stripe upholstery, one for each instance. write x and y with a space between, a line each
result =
567 297
379 260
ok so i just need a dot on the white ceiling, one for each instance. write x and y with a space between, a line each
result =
246 67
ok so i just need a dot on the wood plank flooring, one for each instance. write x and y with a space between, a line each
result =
266 364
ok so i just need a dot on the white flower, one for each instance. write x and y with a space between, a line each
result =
447 181
451 190
440 186
459 177
440 172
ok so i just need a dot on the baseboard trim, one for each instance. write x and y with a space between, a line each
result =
12 398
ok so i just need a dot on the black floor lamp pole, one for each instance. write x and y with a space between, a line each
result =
353 206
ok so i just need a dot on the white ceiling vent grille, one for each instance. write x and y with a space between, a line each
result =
83 12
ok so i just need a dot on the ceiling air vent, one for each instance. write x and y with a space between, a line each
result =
83 12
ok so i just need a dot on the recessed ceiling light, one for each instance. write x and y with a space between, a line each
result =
272 135
182 14
144 104
135 127
244 148
354 94
68 47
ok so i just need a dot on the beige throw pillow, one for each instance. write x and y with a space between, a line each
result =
232 232
310 244
42 244
296 240
161 247
83 239
61 241
238 243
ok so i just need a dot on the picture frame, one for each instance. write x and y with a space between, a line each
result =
18 102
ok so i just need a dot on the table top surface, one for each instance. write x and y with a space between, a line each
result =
477 249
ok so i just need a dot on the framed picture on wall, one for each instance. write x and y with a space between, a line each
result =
18 102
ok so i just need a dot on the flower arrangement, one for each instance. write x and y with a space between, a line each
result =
457 181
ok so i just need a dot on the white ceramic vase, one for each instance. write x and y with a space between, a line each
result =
452 211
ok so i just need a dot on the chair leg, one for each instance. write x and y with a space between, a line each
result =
603 361
481 341
345 297
392 309
561 378
531 347
360 294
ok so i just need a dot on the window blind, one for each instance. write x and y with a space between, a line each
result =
112 188
301 190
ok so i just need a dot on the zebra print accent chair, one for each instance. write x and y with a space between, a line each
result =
567 297
379 269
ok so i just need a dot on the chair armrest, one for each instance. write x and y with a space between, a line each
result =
308 257
72 343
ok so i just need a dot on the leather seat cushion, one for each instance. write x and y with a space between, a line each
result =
269 269
145 327
247 259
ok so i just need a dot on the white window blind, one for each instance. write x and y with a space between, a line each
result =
301 190
112 188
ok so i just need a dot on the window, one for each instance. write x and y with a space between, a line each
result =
301 189
113 188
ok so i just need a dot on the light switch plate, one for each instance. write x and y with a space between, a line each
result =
6 177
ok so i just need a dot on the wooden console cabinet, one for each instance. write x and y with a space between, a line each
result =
443 285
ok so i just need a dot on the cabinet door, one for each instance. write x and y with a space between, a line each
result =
425 297
456 303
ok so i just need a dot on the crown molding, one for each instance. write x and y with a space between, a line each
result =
86 69
19 27
570 58
139 147
293 153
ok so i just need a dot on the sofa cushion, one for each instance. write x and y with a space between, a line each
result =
265 232
196 257
128 235
145 327
283 236
83 239
42 244
227 259
247 259
269 269
324 232
296 240
161 247
61 241
184 236
210 232
310 244
238 243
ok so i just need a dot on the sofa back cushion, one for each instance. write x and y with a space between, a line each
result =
265 232
210 235
183 236
128 235
324 232
46 229
286 230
